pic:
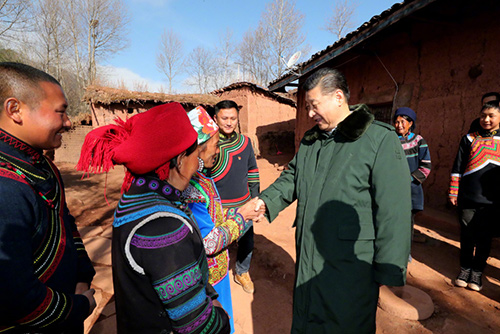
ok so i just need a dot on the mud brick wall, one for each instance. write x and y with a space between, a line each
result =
72 144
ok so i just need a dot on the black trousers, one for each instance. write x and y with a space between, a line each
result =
477 225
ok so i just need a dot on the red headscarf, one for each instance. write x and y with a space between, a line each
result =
144 143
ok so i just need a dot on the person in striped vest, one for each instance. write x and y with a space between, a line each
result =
236 176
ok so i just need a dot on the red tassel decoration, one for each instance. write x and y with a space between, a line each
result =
96 154
163 171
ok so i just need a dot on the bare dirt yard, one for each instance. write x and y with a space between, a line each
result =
432 269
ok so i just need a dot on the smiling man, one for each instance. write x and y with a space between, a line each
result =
45 272
351 182
236 176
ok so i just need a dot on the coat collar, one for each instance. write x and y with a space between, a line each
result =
352 127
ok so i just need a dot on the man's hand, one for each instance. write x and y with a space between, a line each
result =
90 296
249 211
453 200
260 206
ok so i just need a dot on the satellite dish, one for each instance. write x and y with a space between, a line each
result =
293 59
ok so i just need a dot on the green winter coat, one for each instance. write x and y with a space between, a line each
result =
353 222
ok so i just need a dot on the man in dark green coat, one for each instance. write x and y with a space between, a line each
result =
351 182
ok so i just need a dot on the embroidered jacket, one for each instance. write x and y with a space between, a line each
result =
419 160
219 227
42 256
476 172
160 270
235 171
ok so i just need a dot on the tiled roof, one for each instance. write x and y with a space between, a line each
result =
376 24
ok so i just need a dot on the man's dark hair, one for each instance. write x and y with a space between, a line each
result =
494 94
23 82
329 80
226 104
491 105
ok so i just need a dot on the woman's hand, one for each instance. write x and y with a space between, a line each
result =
253 210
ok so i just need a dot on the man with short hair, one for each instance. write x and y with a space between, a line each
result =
350 178
236 176
45 272
487 97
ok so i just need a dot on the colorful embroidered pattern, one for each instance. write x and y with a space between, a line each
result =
171 287
484 151
155 242
455 181
227 228
16 143
180 311
228 150
199 321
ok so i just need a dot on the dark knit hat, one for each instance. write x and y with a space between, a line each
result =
405 111
144 143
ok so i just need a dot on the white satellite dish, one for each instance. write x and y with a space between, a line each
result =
293 59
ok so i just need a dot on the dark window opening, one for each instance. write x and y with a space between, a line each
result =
382 112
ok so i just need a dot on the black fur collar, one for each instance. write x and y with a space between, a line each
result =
352 127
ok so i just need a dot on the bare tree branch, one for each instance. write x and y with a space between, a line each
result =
200 65
341 20
264 51
169 56
13 16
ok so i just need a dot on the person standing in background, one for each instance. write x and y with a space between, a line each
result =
236 176
418 156
475 177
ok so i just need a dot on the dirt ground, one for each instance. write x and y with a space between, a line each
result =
434 265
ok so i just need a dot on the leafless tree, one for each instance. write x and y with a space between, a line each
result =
75 30
254 56
200 66
52 40
13 16
264 50
169 56
103 25
225 56
106 21
341 20
282 25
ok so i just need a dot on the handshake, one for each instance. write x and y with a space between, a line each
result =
253 210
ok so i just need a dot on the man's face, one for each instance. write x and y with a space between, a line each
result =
227 120
323 109
42 126
490 119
